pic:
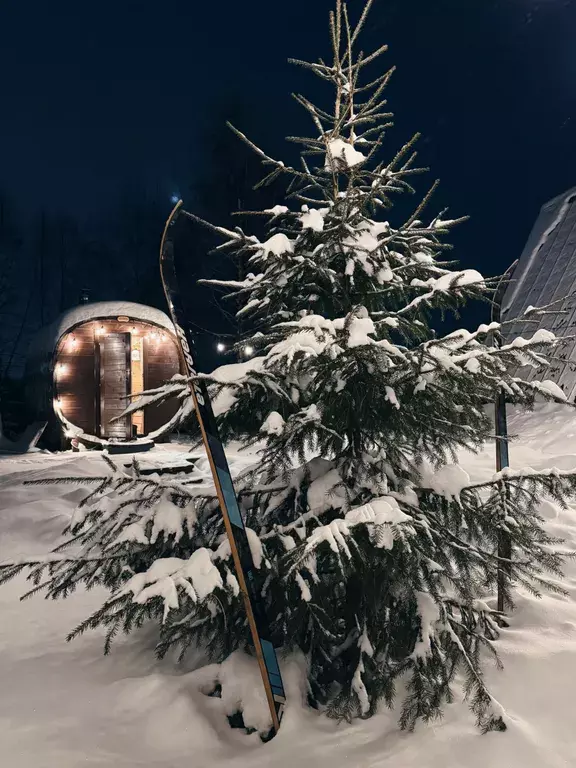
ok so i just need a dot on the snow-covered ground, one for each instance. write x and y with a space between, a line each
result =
62 706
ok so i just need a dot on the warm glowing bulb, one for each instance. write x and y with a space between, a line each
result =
220 347
100 331
134 330
248 350
61 368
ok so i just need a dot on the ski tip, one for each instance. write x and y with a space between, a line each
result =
176 208
169 222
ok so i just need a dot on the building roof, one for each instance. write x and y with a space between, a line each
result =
546 275
547 260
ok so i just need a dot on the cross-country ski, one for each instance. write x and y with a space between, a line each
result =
240 546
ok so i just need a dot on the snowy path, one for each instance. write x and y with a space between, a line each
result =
62 706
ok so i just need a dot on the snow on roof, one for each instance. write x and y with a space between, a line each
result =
554 201
46 340
546 275
532 275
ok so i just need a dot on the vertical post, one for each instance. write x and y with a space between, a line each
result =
501 432
502 461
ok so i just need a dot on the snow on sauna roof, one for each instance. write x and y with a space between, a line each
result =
45 342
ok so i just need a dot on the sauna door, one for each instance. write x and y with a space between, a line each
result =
113 376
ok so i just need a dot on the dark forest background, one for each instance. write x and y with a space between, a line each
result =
48 260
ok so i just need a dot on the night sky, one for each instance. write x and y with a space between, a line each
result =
97 97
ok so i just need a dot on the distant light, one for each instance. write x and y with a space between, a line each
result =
248 350
174 199
220 347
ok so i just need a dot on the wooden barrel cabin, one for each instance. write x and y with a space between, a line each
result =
83 368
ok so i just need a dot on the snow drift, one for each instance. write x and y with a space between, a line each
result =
68 705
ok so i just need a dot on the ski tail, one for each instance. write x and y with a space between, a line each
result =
233 522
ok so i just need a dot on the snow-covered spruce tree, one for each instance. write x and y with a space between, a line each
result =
375 550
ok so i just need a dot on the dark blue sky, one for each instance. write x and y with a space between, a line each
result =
96 96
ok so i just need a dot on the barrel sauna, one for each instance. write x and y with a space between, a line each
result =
84 367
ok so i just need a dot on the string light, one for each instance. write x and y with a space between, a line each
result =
220 347
100 331
73 341
135 330
248 350
61 369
